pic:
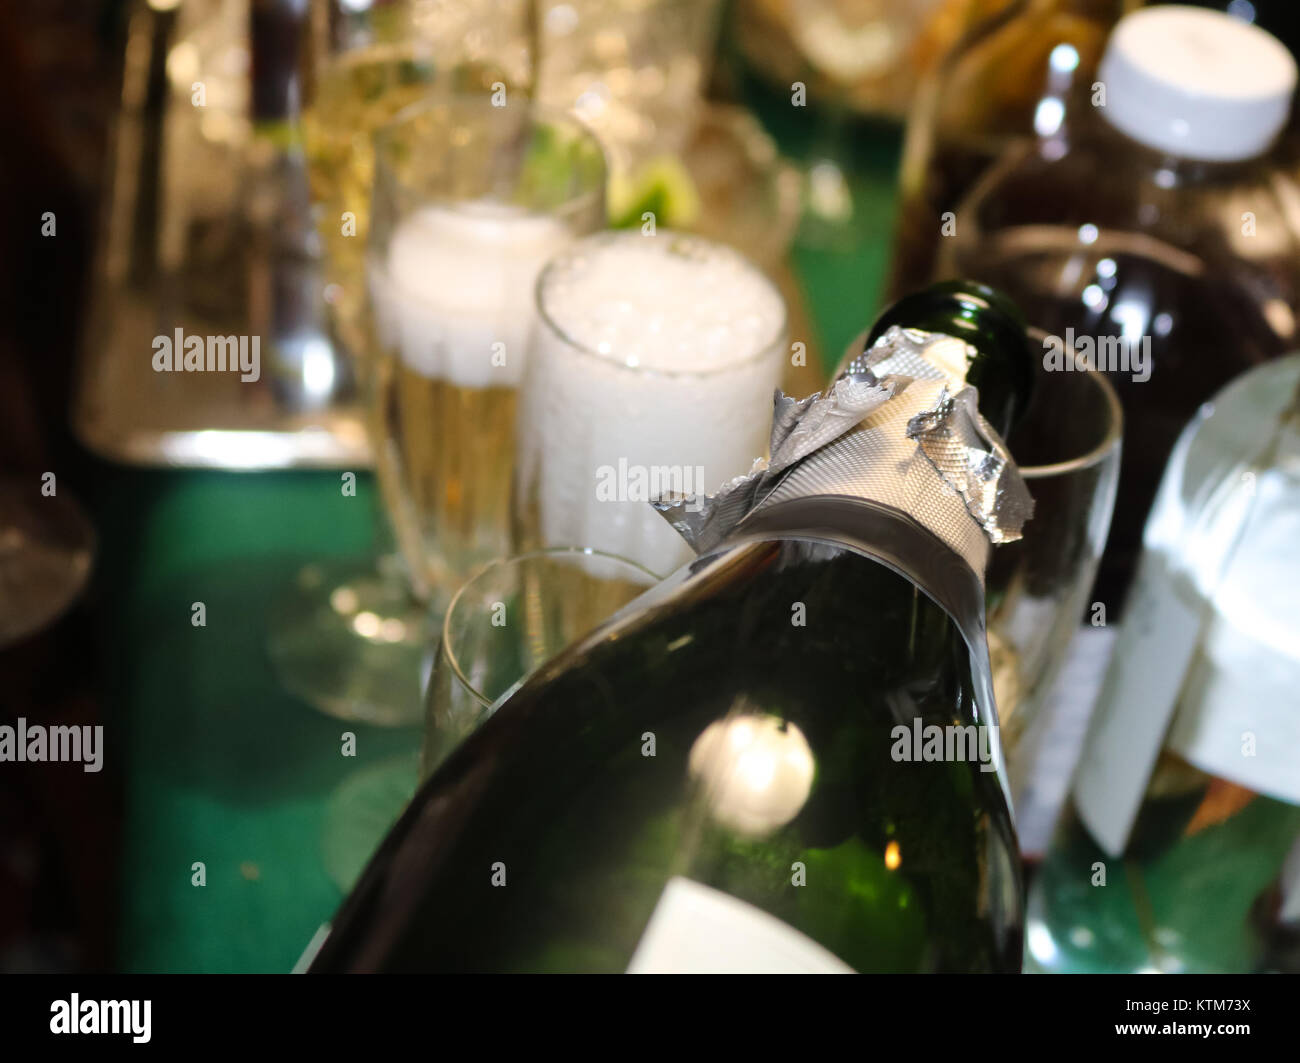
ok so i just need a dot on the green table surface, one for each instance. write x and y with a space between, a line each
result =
224 768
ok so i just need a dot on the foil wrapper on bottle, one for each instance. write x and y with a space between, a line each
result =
917 443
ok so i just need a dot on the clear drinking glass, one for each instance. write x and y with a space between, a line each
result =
470 201
652 370
633 70
510 618
348 637
745 194
1068 448
369 62
47 548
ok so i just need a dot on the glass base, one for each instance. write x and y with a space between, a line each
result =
351 641
46 550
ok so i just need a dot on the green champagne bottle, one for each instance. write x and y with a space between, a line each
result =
782 758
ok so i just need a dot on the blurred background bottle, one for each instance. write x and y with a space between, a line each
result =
367 64
867 55
1021 70
1151 232
275 235
1173 855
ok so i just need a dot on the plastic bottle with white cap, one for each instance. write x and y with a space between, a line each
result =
1155 235
1196 84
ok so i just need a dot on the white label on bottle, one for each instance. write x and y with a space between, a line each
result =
695 929
1049 750
1227 728
1137 699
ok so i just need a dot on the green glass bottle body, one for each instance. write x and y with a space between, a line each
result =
723 777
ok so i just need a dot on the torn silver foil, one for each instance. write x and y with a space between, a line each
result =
916 441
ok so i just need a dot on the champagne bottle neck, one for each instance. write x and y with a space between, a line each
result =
885 535
999 364
898 429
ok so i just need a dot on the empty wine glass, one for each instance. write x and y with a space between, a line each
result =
507 621
1068 448
510 618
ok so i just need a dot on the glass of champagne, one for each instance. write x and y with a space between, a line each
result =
652 372
471 199
508 620
347 638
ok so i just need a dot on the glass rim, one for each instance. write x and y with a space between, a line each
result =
446 645
537 116
1115 413
1110 441
610 236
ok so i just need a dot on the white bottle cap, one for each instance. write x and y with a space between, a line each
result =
1195 83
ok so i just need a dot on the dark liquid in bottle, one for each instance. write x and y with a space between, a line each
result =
952 172
1192 329
990 93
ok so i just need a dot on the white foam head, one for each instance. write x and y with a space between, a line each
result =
668 302
653 367
456 281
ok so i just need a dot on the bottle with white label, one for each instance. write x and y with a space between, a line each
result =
1174 853
784 757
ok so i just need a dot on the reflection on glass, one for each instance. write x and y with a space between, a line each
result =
756 771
